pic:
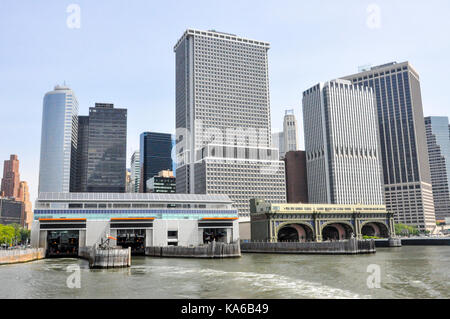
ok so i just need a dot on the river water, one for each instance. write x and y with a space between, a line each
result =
406 272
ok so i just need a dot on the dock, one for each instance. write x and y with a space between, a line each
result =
13 256
211 250
342 247
106 258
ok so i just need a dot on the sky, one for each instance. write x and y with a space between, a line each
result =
121 52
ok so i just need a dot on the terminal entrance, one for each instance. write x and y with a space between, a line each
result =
62 243
295 233
336 231
214 234
134 238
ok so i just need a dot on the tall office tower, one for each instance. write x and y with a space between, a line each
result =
156 156
342 145
223 120
82 155
438 140
406 170
58 141
290 132
135 171
107 149
11 177
278 143
24 197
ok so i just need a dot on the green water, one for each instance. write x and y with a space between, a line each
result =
406 272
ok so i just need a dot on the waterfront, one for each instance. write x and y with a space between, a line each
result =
406 272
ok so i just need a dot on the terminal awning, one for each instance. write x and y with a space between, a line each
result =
131 223
62 223
215 222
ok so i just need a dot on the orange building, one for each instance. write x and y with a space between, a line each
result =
13 188
11 178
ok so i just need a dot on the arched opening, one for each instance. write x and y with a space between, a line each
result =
336 231
375 229
295 232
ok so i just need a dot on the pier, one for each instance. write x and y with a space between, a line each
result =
211 250
106 258
341 247
13 256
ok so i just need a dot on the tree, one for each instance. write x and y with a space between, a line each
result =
402 229
6 234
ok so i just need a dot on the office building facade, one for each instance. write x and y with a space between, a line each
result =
438 140
404 155
290 132
57 168
278 143
164 182
155 156
135 171
11 211
102 145
11 177
341 144
223 120
296 177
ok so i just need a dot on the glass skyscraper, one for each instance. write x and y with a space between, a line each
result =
406 170
102 145
57 166
156 156
438 138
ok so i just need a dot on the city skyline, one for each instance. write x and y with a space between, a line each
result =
292 66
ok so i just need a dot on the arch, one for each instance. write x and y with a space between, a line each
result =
375 228
337 230
295 232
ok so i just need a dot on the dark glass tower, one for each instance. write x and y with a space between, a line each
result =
406 170
156 156
82 155
102 153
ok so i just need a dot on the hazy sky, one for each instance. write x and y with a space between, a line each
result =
123 53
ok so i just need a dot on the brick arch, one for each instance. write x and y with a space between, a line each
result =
343 233
376 225
302 228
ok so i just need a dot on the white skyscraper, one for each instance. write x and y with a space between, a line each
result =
135 171
342 144
58 141
290 132
223 119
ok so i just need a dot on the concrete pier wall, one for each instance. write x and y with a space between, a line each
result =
211 250
106 258
351 246
21 255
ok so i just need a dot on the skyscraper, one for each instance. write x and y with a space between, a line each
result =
135 171
11 177
223 120
155 156
58 141
406 170
341 144
82 155
290 132
107 163
438 139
